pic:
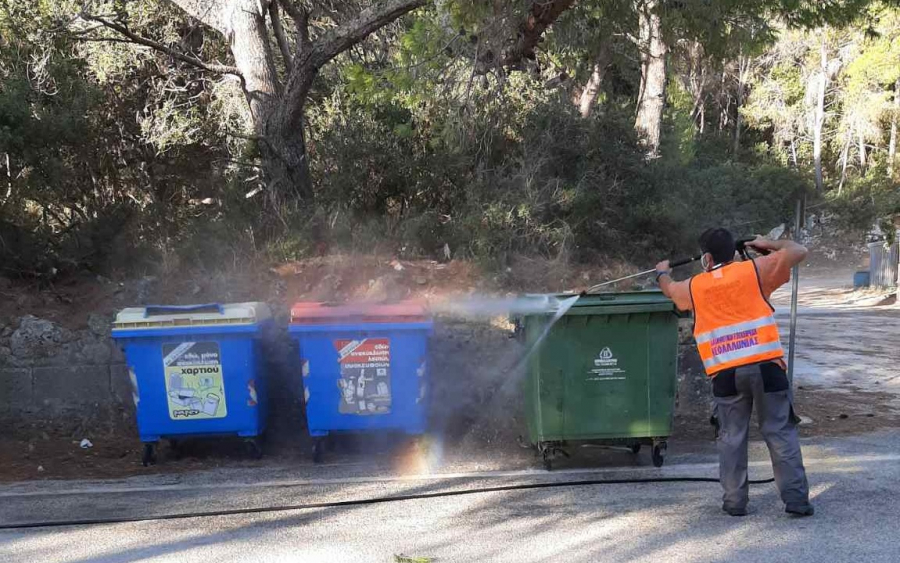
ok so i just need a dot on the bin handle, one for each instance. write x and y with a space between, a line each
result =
151 310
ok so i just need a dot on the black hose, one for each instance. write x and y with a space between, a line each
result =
361 502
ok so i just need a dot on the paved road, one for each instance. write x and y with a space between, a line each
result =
856 483
846 340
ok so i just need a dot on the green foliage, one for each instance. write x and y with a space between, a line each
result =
418 138
82 188
519 171
679 143
863 202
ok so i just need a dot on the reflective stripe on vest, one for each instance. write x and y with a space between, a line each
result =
734 325
739 344
735 328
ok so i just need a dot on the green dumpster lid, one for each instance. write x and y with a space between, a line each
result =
620 302
650 297
211 314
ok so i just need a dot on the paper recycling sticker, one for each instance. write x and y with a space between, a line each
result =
365 381
194 383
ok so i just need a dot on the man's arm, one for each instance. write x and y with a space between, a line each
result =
678 292
775 268
794 253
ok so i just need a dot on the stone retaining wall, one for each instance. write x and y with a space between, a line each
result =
45 367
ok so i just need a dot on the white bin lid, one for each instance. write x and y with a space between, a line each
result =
161 316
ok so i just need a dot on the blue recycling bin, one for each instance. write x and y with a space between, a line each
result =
364 367
196 371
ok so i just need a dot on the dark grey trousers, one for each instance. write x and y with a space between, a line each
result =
736 392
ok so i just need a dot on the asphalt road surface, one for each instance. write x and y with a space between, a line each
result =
855 484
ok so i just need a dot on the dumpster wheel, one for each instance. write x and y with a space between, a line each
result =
550 451
148 457
254 447
176 447
318 449
659 453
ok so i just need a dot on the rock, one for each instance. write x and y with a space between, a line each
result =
805 420
842 416
776 233
377 291
99 325
7 331
144 287
36 338
421 280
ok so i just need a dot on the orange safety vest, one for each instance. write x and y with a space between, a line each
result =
733 321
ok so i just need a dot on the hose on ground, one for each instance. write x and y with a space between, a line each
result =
361 502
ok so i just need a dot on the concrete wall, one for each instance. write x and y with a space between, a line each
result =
47 368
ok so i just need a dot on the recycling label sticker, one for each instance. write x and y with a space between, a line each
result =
194 384
365 381
606 367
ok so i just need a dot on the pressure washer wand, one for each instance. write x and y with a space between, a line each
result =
644 273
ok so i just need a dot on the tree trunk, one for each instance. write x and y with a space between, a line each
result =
652 96
892 144
861 143
278 112
820 118
283 151
592 88
794 152
845 156
541 15
743 66
702 112
696 85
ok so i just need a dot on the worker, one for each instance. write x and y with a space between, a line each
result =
738 341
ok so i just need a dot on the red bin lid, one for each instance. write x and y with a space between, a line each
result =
329 313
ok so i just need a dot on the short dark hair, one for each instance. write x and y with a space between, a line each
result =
720 243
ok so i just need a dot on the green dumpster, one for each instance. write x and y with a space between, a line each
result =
604 373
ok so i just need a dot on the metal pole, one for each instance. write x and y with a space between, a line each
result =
795 290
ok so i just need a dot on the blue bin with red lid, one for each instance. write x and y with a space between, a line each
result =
364 367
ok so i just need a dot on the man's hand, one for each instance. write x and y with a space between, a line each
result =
761 244
663 277
679 292
795 253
